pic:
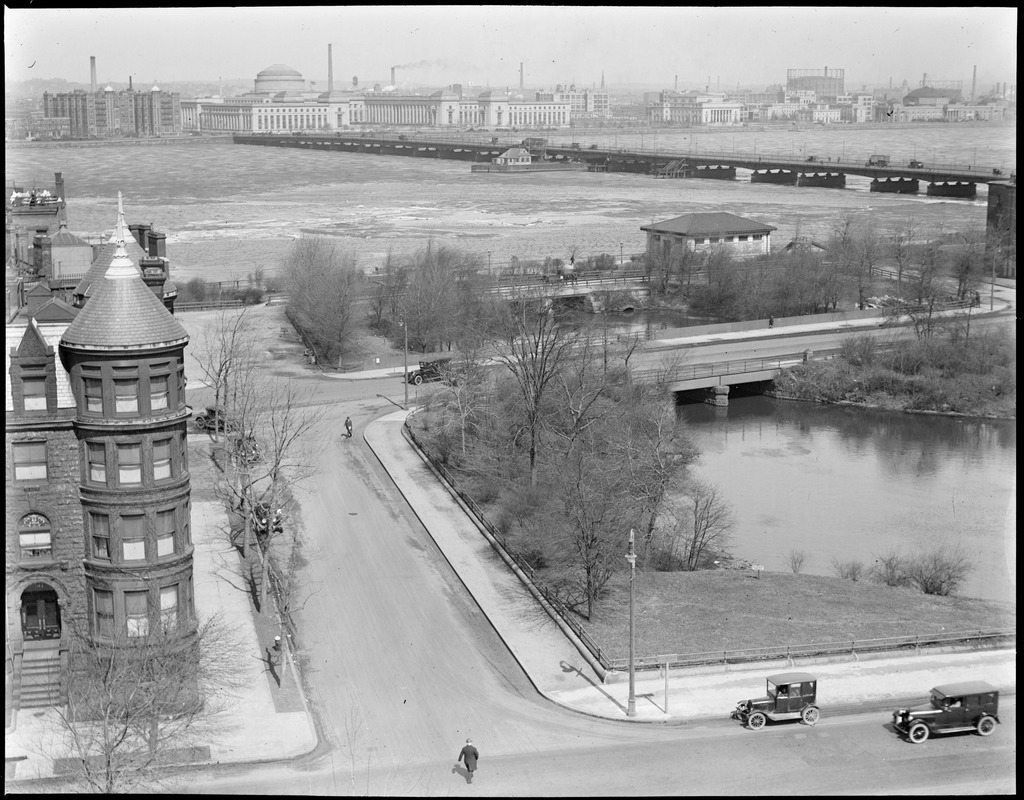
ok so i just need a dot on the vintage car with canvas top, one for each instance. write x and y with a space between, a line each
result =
789 695
952 708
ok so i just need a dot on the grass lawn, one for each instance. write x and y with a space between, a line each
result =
693 612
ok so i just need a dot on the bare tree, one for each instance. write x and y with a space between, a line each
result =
533 347
710 522
324 284
890 569
597 514
796 560
901 250
135 699
284 415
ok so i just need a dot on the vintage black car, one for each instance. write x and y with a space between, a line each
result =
789 695
211 417
915 164
430 371
952 708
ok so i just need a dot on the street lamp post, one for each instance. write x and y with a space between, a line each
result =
631 558
622 260
488 262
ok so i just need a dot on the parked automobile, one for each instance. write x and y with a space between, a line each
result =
789 695
260 516
430 371
952 708
915 164
211 417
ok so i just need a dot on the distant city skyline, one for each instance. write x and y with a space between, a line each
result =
484 45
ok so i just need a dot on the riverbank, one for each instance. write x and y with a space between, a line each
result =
133 142
904 380
729 609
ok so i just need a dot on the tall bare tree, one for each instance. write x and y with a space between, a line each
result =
533 347
706 526
324 288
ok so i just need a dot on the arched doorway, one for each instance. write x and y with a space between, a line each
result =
40 613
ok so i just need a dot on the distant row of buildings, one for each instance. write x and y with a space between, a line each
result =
282 101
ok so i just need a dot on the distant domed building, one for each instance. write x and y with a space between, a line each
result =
279 78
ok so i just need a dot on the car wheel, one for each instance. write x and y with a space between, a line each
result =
418 380
810 715
756 721
986 725
918 733
201 423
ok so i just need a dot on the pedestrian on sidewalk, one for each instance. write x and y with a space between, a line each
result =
469 754
771 322
348 426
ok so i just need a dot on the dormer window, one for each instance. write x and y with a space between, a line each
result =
34 390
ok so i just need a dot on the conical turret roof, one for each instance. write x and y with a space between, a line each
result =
123 313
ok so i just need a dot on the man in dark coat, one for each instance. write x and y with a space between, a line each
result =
469 754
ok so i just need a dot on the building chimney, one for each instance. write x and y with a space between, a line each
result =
924 80
92 74
330 70
677 83
392 76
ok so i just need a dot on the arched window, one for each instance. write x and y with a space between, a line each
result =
34 538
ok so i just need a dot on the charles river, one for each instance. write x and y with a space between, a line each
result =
839 484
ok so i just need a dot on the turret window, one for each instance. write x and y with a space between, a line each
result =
136 608
165 529
162 459
133 537
103 612
129 463
126 396
100 527
158 395
169 607
97 459
93 395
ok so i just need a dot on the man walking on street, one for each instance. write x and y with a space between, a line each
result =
469 754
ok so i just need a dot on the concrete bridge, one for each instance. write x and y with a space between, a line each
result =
946 180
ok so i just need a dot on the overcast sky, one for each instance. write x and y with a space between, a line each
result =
441 45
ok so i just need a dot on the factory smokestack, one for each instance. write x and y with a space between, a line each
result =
330 69
520 76
677 83
92 74
392 76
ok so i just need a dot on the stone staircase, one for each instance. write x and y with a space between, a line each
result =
40 675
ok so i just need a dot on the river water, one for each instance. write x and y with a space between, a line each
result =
852 484
833 482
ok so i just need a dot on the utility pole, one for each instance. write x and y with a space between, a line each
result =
631 558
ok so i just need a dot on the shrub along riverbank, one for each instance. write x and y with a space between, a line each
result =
974 376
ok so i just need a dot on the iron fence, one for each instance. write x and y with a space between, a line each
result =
820 649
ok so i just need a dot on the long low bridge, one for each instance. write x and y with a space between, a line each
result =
946 180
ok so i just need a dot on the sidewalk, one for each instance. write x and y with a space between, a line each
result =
243 724
556 662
